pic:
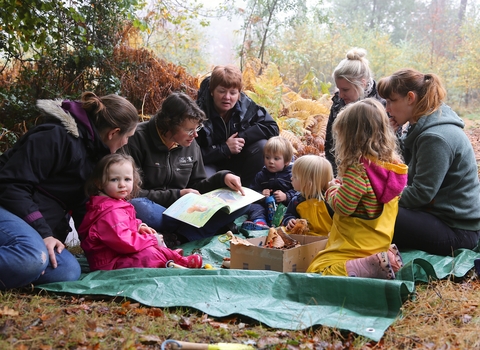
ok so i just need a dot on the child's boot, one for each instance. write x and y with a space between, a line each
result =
193 261
395 258
374 266
255 225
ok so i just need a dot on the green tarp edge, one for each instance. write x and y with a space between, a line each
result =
292 301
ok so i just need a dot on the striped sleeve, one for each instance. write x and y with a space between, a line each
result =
345 198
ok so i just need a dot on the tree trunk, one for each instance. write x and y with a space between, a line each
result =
262 48
461 11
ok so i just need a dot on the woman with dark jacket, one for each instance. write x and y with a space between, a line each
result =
165 150
354 81
236 128
42 184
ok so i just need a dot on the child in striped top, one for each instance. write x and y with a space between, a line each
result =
364 197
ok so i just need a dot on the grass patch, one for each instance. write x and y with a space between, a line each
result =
444 314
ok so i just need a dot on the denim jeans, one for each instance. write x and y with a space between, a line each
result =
24 256
151 214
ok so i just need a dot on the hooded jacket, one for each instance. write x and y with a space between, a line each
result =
281 180
110 239
443 173
165 172
252 122
366 187
42 176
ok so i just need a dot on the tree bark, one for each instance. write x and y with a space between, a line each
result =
262 48
461 11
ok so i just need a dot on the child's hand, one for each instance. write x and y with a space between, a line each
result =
144 229
279 196
266 192
335 182
291 224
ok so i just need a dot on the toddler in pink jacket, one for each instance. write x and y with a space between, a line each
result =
111 236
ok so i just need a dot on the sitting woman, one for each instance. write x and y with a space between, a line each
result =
41 184
165 150
440 207
237 128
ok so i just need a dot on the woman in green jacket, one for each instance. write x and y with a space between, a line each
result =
440 207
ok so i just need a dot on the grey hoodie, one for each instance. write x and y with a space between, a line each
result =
442 171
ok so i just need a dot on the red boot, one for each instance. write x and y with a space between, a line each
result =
194 261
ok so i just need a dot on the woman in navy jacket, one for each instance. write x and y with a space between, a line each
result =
236 128
41 184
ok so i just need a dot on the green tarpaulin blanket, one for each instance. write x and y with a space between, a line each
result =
291 301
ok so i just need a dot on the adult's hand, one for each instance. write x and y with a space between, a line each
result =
234 182
235 144
52 243
188 190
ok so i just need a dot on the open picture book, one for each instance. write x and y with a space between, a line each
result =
196 209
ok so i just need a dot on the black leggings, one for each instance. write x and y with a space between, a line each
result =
416 229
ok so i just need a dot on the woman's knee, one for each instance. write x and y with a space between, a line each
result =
68 269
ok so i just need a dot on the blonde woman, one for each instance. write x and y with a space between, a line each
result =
310 177
354 81
365 197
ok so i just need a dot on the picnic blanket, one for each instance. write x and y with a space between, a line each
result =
292 301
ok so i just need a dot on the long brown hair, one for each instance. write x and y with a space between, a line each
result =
110 112
428 88
362 130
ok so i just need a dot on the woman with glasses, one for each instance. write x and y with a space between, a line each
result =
237 128
171 163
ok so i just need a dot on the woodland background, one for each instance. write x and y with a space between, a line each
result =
287 50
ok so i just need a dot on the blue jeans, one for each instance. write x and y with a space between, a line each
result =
151 214
24 256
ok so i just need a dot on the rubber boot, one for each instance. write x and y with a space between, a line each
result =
193 261
373 266
395 258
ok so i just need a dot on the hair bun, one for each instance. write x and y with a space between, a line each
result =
356 54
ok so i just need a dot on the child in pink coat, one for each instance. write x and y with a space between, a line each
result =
111 236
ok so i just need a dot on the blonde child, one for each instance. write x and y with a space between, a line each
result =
310 177
110 234
365 198
273 181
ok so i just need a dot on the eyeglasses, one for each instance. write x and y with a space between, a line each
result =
193 131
